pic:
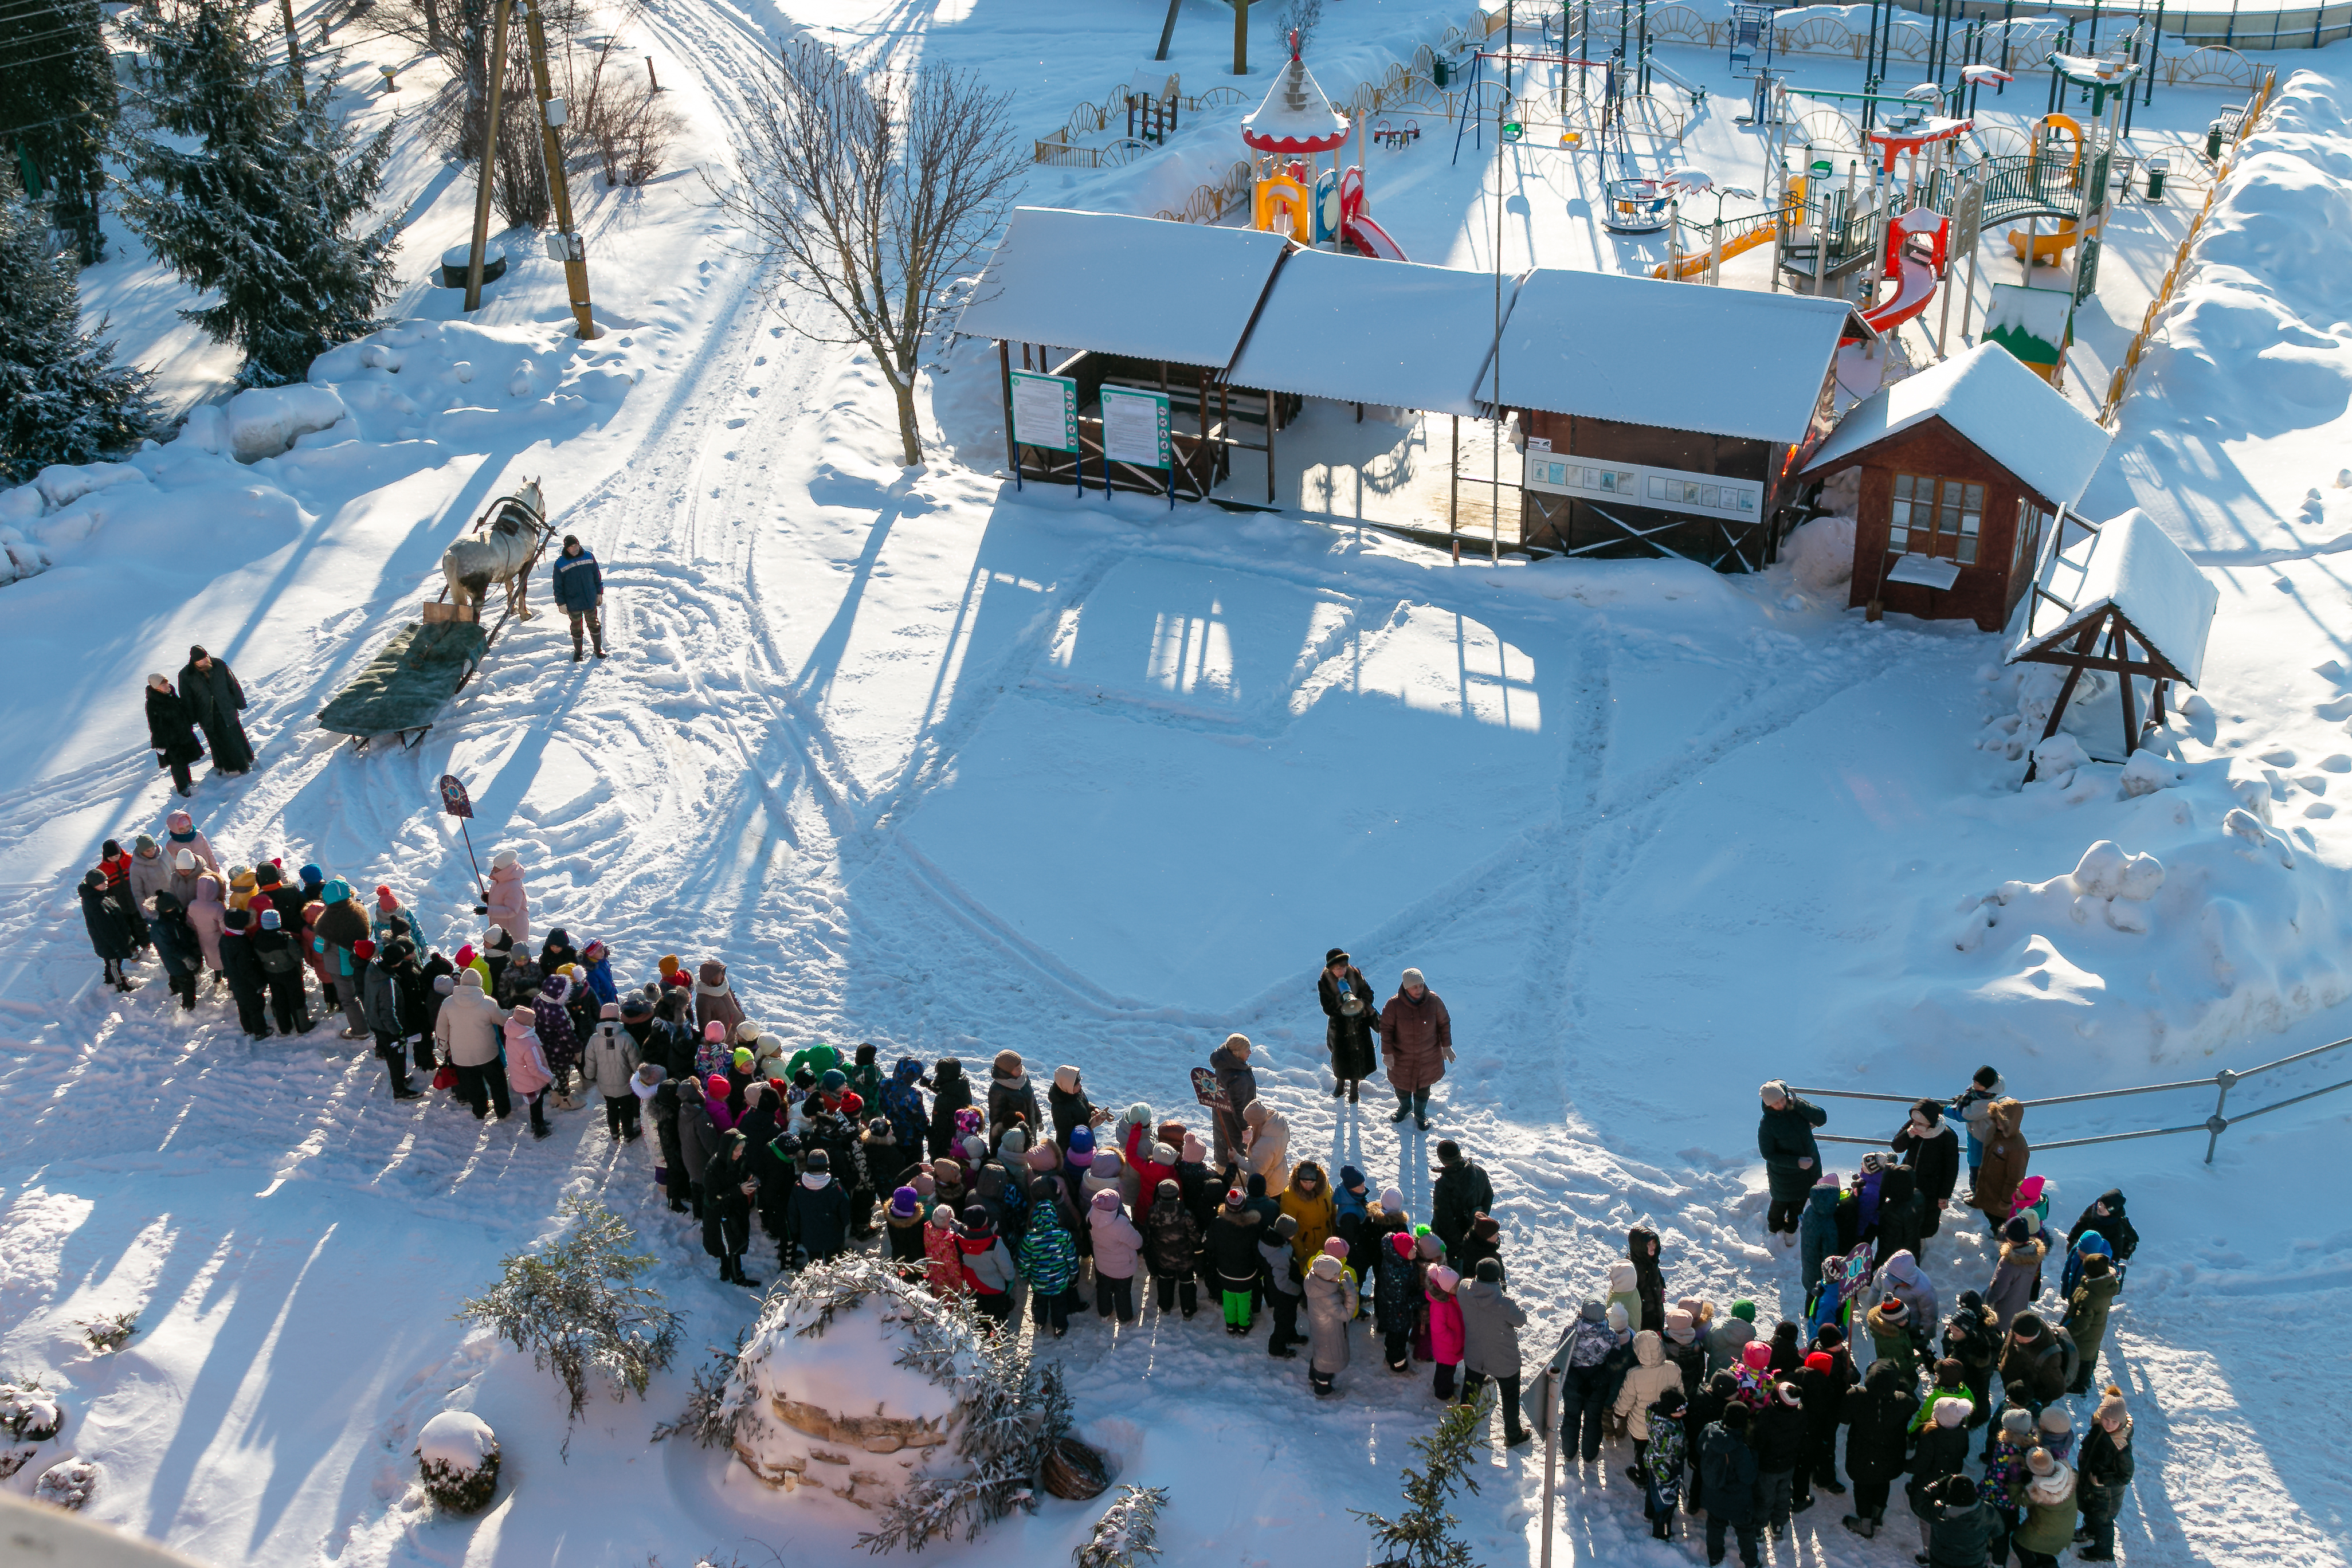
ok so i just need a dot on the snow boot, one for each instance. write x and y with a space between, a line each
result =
575 656
1401 1112
1353 1085
1337 1088
1865 1528
1421 1122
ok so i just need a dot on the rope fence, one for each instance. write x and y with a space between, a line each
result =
2213 1126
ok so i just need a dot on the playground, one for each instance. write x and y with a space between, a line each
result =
1547 151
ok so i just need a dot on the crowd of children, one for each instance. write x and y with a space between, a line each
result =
1004 1189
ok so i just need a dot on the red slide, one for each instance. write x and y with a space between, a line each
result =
1915 253
1356 226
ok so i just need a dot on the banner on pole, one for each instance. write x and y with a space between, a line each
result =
454 799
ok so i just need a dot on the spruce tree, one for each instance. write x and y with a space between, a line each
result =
62 397
270 211
57 103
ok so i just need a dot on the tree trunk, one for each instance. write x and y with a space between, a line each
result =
1241 37
910 435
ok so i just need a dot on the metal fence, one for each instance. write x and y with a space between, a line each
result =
2213 1126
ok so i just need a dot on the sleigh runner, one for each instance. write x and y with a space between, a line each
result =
411 678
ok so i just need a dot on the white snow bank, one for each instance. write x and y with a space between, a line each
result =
1821 553
264 421
457 1438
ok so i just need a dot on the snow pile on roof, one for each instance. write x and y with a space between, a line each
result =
1333 326
2010 414
1723 361
2133 567
457 1438
2236 417
1295 116
1115 284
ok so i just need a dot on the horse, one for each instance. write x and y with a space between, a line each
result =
501 549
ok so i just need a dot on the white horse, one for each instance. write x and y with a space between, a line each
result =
499 550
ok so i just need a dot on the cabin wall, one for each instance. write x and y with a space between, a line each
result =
1571 522
1985 592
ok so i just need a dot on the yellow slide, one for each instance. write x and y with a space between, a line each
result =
1695 266
2052 248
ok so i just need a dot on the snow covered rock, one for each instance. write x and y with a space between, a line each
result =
264 421
458 1455
29 1413
70 1484
2056 758
2145 773
1821 553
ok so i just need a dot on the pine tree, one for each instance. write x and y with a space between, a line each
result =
58 101
1422 1536
62 397
268 213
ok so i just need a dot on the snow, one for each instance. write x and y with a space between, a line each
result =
1295 117
457 1438
266 421
1639 351
1327 331
1821 553
2133 567
2006 411
1155 290
948 766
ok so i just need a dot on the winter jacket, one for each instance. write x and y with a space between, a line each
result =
175 940
469 1029
1892 1340
1391 1280
171 729
1349 1031
1972 1337
1726 1468
1237 1078
2050 1510
578 586
816 1218
714 1000
1651 1375
527 1071
1069 1108
213 697
1446 1330
2122 1238
1934 1161
1824 1392
726 1206
1172 1240
1777 1432
608 1058
377 1003
206 913
1957 1536
2087 1311
1460 1195
1649 1280
942 1261
2041 1367
1330 1307
1116 1242
987 1263
951 1092
1662 1466
1317 1216
107 917
1232 1250
1048 1259
1282 1272
1010 1100
1269 1151
1725 1341
509 906
1792 1161
1902 1216
1879 1410
1942 1451
1902 1279
2103 1470
554 1023
149 875
2006 1155
902 1104
2015 1281
1415 1039
1490 1327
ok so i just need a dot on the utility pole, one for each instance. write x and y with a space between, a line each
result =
552 112
1241 37
489 160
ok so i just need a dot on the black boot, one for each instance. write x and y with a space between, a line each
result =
1353 1084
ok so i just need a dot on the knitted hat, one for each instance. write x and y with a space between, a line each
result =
1082 1144
1831 1335
949 1170
833 1081
668 964
747 1032
609 1010
1426 1246
879 1129
1286 1227
1014 1142
942 1217
714 1032
852 1106
1045 1159
717 1084
269 920
1325 1267
742 1058
1412 977
2055 1419
364 948
2111 1405
1065 1079
2017 1422
923 1184
976 1220
1736 1418
1444 1278
1960 1491
1679 1321
1757 1355
2041 1461
1194 1152
1952 1412
1255 1113
818 1160
145 845
1490 1271
1448 1151
1821 1361
184 860
2097 1267
636 1007
2026 1323
1235 1197
2017 1230
310 874
236 919
1391 1201
1104 1166
1334 1246
1162 1154
1744 1310
1352 1178
383 899
1008 1062
1168 1189
1046 1190
504 858
1892 1309
1618 1320
1171 1133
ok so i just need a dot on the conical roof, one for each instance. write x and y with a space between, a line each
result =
1296 117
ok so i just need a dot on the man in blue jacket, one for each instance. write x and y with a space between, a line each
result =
580 592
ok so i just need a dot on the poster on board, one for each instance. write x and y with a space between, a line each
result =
1045 410
1135 427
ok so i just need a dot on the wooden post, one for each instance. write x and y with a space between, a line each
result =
1209 472
489 159
2120 643
1241 36
1273 417
293 41
1453 482
575 267
2083 645
1005 372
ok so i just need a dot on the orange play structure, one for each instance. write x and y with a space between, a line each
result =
2052 248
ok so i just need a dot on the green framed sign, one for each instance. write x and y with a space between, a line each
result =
1045 410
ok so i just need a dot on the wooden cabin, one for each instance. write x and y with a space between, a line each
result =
1660 417
1964 466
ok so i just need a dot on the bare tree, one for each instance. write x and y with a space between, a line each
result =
874 190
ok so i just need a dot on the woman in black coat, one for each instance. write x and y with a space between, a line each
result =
176 945
1350 1032
111 934
1879 1409
214 698
1642 1246
727 1207
171 733
951 1092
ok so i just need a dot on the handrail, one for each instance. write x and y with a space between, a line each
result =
2213 1125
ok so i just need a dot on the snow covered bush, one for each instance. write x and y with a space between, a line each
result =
1128 1531
458 1455
857 1384
70 1484
1422 1536
576 1305
29 1413
112 1333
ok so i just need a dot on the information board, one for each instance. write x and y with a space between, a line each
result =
1135 427
1045 410
1637 484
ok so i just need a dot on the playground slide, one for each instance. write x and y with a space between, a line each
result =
1371 238
1695 266
1914 287
2047 247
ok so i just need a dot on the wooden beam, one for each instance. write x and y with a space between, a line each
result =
2060 657
2121 643
2082 645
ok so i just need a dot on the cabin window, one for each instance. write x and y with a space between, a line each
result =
1936 516
2030 519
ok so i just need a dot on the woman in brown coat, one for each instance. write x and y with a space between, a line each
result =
1416 1042
2006 1153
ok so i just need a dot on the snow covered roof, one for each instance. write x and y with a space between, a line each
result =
2012 415
1337 326
2133 567
1722 362
1295 116
1115 284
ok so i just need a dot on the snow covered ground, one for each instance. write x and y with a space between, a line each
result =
952 769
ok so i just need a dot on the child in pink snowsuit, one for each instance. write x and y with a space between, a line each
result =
1445 1327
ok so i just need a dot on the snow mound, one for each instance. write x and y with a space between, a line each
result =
1821 553
458 1439
29 1413
70 1484
264 421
